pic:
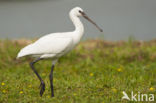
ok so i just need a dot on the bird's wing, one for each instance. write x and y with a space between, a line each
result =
52 45
49 44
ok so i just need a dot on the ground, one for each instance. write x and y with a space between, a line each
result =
96 71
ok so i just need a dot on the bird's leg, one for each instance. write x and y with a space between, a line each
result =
51 80
42 85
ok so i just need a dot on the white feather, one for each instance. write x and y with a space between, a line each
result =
51 45
57 44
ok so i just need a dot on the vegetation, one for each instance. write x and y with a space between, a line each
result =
95 71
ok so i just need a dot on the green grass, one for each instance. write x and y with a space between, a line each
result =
94 72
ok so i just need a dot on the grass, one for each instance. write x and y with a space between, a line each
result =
95 71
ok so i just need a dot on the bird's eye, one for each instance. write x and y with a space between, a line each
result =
80 11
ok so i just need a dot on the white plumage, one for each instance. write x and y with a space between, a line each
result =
48 46
55 45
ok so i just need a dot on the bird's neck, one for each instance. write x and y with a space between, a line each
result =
79 28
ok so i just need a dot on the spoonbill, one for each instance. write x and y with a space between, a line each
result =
55 45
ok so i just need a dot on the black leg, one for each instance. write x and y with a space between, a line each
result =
42 85
51 81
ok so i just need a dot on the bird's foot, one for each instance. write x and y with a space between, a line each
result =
42 86
52 91
52 94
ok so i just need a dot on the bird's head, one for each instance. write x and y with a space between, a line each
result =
77 11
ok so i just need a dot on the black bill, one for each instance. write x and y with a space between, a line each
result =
86 17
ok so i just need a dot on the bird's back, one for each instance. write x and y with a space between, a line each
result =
56 43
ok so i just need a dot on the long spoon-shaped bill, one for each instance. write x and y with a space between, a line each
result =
86 17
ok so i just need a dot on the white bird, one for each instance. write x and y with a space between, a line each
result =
55 45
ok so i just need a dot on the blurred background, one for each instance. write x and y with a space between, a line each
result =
96 71
119 19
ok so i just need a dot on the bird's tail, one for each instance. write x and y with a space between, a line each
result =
25 51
